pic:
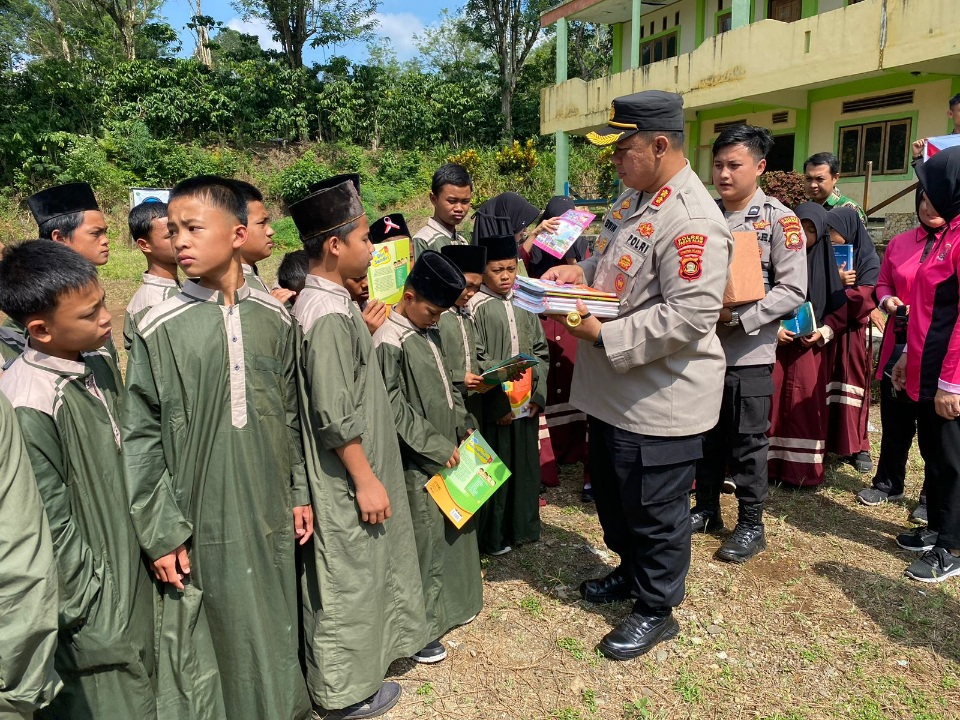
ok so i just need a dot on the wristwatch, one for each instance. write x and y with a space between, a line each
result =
734 319
599 341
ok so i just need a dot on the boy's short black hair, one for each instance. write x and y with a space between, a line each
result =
450 174
314 246
66 224
250 193
142 216
757 140
823 158
34 274
215 190
954 101
292 273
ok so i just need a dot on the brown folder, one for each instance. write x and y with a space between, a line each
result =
745 280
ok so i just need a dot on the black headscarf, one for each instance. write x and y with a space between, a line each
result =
824 286
504 214
940 179
866 262
541 261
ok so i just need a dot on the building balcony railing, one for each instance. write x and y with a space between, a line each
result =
777 63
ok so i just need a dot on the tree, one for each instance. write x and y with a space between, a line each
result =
234 46
590 48
128 16
509 29
320 22
201 25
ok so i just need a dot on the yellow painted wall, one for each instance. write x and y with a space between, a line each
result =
688 32
930 104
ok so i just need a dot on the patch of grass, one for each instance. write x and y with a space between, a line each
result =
638 710
572 646
566 713
589 699
425 692
531 604
687 686
285 235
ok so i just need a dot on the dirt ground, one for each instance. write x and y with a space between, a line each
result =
821 625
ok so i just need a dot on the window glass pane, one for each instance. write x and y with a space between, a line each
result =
849 150
672 46
658 50
872 147
898 142
724 23
645 54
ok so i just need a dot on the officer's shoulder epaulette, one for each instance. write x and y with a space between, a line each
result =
695 205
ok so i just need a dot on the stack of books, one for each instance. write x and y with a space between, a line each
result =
550 298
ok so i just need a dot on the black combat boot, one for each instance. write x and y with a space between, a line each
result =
705 516
747 539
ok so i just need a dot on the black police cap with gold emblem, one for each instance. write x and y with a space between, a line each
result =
436 279
650 110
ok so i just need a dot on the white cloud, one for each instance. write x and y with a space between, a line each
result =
258 27
400 30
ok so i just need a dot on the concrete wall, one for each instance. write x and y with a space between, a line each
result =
929 110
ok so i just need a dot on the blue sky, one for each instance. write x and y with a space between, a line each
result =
400 21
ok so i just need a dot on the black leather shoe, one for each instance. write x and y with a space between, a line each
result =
615 587
705 520
637 634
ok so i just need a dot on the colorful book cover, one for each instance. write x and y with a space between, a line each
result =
502 372
460 491
572 225
389 269
844 254
803 322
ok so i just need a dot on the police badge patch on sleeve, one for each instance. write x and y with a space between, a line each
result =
792 232
690 250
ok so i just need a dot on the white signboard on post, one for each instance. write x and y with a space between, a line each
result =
142 195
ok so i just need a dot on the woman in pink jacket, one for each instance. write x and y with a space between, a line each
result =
898 413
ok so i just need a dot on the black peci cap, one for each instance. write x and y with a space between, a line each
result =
62 200
388 228
652 110
469 258
436 279
499 247
326 210
336 180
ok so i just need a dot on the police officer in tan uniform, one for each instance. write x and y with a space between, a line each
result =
748 333
650 380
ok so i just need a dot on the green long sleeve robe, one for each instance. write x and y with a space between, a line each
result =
361 593
458 338
213 459
28 581
11 344
152 292
68 413
512 515
431 420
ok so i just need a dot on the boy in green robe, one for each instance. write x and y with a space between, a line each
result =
259 243
148 230
458 336
361 593
28 576
214 466
431 421
67 392
11 345
512 515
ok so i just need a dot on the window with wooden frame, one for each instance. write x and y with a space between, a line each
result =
886 143
658 48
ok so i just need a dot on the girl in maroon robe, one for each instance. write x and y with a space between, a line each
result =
798 417
848 390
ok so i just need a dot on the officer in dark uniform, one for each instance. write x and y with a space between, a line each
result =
650 380
748 334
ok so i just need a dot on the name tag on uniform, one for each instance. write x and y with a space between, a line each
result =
610 225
